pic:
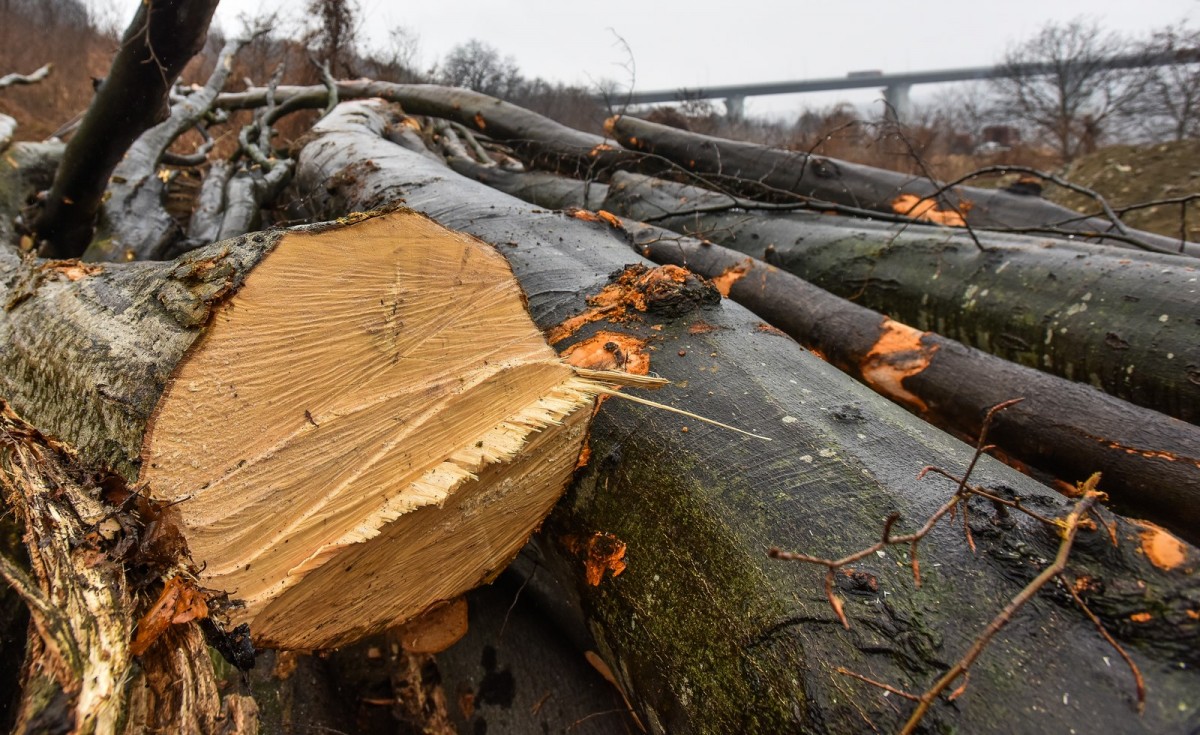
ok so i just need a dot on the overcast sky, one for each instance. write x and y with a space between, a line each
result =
678 44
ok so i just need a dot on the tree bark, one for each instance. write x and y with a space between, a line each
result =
158 44
1115 319
80 673
539 141
135 222
1149 461
705 632
25 169
340 449
752 170
941 380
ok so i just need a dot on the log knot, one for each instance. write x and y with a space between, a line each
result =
669 290
203 277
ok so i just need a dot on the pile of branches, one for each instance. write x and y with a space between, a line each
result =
946 299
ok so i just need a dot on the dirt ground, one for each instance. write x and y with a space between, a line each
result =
1127 174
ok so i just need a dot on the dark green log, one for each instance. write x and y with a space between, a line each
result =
708 634
942 380
1150 461
1125 322
158 44
750 169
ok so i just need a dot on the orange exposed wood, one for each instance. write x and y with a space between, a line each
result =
732 275
630 292
911 205
1150 453
899 353
602 552
179 602
1161 547
608 350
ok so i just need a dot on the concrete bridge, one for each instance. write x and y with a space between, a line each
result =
896 87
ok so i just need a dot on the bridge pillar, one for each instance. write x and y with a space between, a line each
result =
899 106
735 108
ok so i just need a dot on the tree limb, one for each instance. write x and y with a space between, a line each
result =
158 44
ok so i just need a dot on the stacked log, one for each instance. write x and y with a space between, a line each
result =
347 426
705 632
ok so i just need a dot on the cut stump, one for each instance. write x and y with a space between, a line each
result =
361 422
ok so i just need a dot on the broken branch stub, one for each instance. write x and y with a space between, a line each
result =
352 423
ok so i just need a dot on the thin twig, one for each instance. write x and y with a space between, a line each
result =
886 687
1138 681
1070 526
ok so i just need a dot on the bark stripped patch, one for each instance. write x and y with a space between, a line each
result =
731 275
1149 453
925 210
72 270
180 602
608 350
667 290
602 552
1161 547
599 215
896 355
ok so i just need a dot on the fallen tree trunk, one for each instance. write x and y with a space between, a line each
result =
752 170
158 44
538 140
340 448
1149 461
1120 321
941 380
705 632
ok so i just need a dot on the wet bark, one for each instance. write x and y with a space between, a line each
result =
1121 321
705 632
750 169
1068 430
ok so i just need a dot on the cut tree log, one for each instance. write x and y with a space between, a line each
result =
1119 320
1150 462
352 423
750 169
941 380
704 631
157 45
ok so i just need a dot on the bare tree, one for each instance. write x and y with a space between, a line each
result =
1059 83
1168 101
335 35
477 65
